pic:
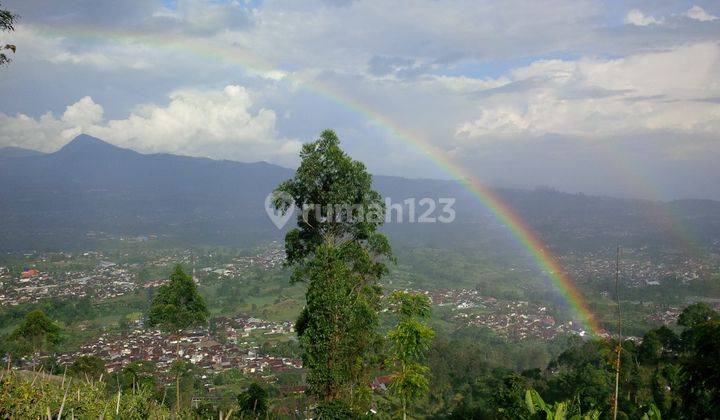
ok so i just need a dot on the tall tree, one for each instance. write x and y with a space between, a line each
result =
87 367
253 401
338 253
700 362
410 341
7 23
177 306
696 314
37 332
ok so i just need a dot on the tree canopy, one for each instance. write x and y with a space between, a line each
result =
37 332
410 341
178 304
7 23
253 401
338 253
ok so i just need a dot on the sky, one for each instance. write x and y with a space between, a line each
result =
616 98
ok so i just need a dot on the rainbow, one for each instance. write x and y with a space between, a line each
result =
485 196
671 221
490 200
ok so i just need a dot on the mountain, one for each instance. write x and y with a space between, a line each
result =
90 192
15 152
92 186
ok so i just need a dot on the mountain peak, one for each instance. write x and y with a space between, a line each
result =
89 146
85 140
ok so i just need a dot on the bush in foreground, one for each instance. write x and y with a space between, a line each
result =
36 395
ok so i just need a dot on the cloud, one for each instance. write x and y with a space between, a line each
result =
638 18
201 17
213 123
592 97
35 45
382 65
475 77
83 113
415 35
698 13
196 17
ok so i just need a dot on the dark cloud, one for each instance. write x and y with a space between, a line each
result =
518 86
383 65
714 99
95 12
194 17
593 92
349 46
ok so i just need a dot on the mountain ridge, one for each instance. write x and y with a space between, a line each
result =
17 152
56 200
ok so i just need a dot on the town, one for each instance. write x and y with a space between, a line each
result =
638 269
104 279
230 343
241 341
515 320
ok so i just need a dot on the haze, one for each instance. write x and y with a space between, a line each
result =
614 98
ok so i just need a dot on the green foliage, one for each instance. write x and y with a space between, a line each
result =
7 23
410 340
334 410
177 304
696 314
652 414
666 376
63 310
36 333
507 400
339 322
326 180
87 367
658 343
253 401
135 375
701 369
188 383
34 396
557 411
340 258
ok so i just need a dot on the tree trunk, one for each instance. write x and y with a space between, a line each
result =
177 376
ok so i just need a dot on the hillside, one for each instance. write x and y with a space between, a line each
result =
90 192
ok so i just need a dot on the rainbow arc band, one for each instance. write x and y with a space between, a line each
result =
254 65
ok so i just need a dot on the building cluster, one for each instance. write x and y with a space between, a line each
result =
664 316
521 320
267 259
238 328
668 315
515 320
637 268
106 281
200 347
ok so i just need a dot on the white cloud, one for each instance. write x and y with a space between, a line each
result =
33 43
638 18
448 72
592 98
464 84
698 13
345 38
83 113
213 123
